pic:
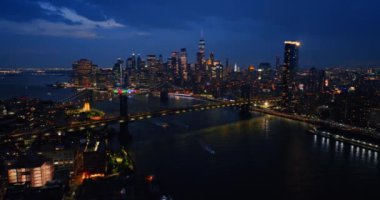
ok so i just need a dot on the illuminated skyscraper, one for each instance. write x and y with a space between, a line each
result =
83 71
134 62
174 63
82 67
131 62
291 57
118 70
201 52
183 64
289 70
151 61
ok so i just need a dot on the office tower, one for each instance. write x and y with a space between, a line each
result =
219 73
200 64
131 62
312 86
174 64
83 71
151 60
134 63
201 52
278 73
227 67
183 64
265 71
210 62
289 71
323 82
139 63
201 60
82 67
291 58
118 70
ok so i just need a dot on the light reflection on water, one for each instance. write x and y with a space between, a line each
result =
355 153
249 148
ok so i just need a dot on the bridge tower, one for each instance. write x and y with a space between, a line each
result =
246 97
124 132
164 93
88 96
123 105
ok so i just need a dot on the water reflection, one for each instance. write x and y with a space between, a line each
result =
327 143
353 152
315 141
375 157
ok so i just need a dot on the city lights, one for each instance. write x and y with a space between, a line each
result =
235 112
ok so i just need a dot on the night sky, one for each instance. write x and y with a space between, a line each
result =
56 33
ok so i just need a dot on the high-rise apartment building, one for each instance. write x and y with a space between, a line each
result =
291 57
33 170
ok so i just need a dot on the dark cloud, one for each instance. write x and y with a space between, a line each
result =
333 32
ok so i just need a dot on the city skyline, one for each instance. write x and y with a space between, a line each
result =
56 33
175 99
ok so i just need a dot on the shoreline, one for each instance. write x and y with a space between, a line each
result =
318 122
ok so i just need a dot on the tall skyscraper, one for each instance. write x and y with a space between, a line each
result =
84 72
200 64
139 63
174 63
134 62
291 58
201 52
118 70
151 60
183 64
289 71
82 67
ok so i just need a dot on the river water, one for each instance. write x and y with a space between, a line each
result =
215 154
264 157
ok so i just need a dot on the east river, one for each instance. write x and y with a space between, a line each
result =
217 155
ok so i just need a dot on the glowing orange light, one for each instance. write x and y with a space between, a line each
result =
96 175
150 178
96 118
251 68
86 107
